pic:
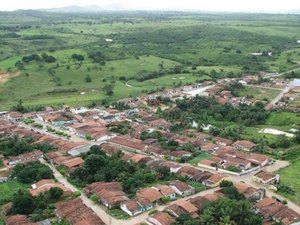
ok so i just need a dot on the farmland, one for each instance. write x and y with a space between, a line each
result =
133 53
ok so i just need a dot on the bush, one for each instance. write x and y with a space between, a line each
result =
76 193
153 212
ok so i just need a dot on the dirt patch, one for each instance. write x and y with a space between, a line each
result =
4 76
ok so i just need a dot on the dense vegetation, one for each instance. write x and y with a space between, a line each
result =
13 145
31 172
231 209
203 109
100 167
40 207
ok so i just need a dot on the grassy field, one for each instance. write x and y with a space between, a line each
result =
203 155
283 120
290 176
259 93
8 189
203 45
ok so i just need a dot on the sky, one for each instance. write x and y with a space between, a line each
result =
199 5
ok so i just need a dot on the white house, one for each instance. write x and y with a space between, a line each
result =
182 188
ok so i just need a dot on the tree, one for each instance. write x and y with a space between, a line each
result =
108 88
88 79
23 203
55 193
94 162
78 57
19 64
226 183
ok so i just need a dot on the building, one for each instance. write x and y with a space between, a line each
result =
46 185
272 210
249 191
244 145
110 194
266 178
160 218
76 212
182 188
214 180
136 207
18 220
24 158
151 194
222 141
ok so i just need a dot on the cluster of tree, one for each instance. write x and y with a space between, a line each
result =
108 89
204 108
77 57
97 57
235 88
31 172
13 145
146 135
19 107
292 75
40 207
142 76
120 105
35 57
100 167
123 128
230 132
233 209
48 58
10 35
37 37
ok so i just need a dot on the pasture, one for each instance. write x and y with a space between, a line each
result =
166 49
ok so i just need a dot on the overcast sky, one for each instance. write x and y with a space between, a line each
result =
203 5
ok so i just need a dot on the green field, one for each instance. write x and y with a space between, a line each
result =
283 120
290 176
259 93
202 46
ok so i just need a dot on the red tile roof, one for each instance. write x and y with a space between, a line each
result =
163 218
76 212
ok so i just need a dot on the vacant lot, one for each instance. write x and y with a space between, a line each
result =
290 176
259 93
8 189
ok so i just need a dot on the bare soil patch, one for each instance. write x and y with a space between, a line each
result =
4 76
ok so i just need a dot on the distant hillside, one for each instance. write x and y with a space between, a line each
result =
86 9
75 9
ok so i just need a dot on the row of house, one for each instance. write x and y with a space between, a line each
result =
191 207
61 159
226 156
111 195
76 212
272 210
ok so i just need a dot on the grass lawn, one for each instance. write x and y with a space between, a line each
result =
2 221
8 189
198 186
259 93
118 214
290 176
283 120
201 156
